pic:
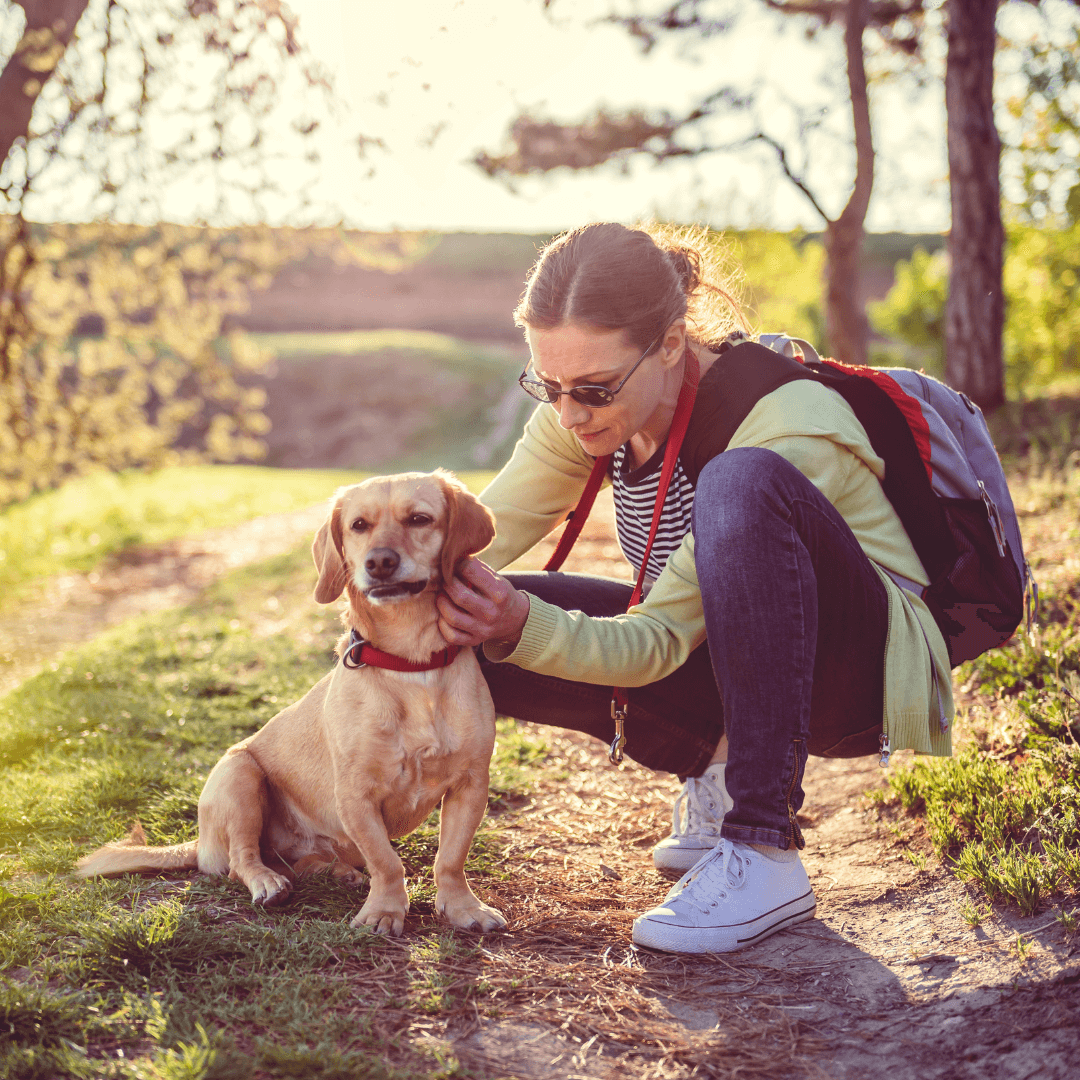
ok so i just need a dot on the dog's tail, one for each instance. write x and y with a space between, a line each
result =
132 856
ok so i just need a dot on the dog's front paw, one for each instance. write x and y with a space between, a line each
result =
384 916
470 913
269 889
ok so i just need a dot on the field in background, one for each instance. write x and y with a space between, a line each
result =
387 400
467 284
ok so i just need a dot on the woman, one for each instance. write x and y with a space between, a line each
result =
772 627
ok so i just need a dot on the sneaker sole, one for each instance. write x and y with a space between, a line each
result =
670 937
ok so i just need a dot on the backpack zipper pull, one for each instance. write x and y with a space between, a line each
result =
996 525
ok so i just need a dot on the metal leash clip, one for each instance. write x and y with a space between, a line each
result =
615 753
885 750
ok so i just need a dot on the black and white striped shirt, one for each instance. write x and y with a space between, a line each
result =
635 497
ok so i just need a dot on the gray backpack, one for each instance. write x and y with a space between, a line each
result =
945 481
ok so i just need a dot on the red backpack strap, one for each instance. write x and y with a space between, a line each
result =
575 520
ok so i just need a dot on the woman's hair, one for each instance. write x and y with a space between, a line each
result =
638 280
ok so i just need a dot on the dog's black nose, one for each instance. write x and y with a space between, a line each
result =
382 562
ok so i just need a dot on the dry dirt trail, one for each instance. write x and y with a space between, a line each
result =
888 979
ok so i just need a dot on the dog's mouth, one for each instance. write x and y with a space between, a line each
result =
396 590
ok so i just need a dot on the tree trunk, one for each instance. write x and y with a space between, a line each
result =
845 315
975 310
50 25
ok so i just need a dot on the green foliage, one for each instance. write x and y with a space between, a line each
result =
1042 289
108 350
784 275
182 974
1041 124
914 310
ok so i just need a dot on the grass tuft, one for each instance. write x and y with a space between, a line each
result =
1004 813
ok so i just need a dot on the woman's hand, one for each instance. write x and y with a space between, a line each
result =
477 606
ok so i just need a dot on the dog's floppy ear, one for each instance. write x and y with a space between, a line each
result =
470 526
327 552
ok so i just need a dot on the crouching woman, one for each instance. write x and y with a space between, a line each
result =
772 626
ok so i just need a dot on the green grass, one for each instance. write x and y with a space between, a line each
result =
79 524
423 344
76 527
1004 813
183 977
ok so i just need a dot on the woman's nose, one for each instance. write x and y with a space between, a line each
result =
572 413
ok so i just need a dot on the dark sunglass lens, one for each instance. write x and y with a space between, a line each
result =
594 397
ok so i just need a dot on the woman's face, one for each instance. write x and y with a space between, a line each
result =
574 354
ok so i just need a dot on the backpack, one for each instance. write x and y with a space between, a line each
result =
945 481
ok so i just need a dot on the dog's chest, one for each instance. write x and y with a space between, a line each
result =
422 732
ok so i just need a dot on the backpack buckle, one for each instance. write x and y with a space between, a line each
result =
996 525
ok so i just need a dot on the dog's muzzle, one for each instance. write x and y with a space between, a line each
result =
395 590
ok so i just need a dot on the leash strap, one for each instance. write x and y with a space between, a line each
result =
575 520
684 407
361 653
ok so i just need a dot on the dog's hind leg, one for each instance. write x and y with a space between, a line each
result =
342 862
233 809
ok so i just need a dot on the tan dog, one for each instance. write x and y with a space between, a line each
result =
368 753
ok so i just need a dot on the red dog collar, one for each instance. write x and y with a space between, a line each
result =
361 653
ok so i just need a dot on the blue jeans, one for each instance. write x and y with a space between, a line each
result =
796 620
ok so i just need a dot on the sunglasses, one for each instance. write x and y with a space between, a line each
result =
593 397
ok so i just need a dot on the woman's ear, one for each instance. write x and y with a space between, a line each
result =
673 343
327 553
470 526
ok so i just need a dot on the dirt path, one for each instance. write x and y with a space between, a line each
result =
74 608
887 978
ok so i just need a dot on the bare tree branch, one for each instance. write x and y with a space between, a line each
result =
781 154
538 145
50 25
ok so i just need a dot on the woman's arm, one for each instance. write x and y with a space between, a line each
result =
653 639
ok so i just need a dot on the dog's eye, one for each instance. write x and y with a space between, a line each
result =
420 519
359 525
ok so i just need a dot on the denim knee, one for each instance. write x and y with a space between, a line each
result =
737 486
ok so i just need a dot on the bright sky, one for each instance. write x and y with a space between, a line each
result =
438 80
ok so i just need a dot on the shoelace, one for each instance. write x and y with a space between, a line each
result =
723 868
697 803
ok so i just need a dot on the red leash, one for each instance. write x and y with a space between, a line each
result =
577 517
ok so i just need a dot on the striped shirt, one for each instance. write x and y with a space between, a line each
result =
635 498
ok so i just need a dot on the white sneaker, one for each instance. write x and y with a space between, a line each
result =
733 898
696 818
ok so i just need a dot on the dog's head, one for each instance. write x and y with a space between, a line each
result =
394 537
